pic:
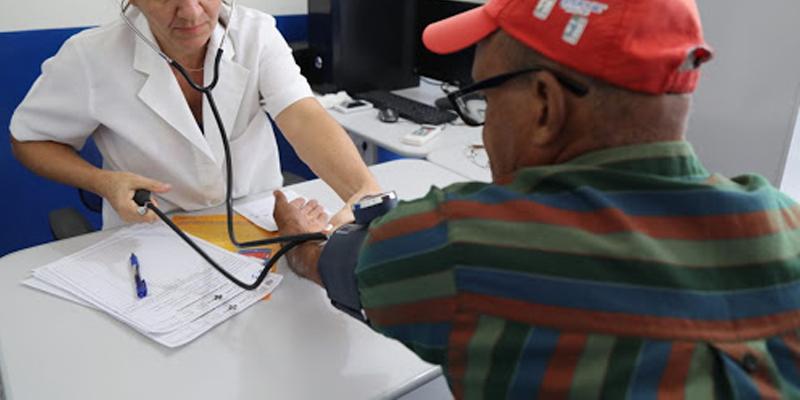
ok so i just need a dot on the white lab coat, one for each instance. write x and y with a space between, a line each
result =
107 83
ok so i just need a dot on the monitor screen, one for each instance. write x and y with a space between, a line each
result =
453 68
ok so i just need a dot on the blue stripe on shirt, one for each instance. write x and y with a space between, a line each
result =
785 361
597 296
532 365
649 370
431 335
402 247
742 384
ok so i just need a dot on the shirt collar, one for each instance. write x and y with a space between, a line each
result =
675 159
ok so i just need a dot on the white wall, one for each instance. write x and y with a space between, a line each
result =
746 105
47 14
791 176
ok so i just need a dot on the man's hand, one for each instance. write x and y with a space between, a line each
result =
297 217
118 189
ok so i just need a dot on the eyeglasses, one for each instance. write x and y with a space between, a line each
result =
470 102
476 153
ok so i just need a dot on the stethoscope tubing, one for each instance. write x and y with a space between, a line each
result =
289 242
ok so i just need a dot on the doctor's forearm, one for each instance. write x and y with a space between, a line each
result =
60 163
323 144
335 159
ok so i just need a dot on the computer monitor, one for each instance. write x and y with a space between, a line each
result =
454 68
360 45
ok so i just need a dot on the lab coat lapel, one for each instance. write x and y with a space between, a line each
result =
161 92
227 94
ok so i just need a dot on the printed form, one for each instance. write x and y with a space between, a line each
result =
186 296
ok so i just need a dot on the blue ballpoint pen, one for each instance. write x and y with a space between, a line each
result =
141 285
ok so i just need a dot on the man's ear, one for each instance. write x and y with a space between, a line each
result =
551 108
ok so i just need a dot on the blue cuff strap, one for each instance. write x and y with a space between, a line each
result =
337 265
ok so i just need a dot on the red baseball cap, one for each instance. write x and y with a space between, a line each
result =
651 46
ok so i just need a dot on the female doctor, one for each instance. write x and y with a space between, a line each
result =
155 132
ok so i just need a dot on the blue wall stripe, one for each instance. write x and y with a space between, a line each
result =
293 27
30 197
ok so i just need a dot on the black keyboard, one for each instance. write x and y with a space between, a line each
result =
407 108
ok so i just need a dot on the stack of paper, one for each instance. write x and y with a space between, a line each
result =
186 296
260 211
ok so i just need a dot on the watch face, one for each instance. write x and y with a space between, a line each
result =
371 200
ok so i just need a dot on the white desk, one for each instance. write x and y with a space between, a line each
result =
365 125
294 346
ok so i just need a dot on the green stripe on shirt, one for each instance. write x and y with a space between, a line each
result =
479 355
410 290
601 269
592 367
505 359
545 237
623 360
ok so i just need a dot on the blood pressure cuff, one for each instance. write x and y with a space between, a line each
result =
337 266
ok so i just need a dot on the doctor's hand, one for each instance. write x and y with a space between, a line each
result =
118 189
298 216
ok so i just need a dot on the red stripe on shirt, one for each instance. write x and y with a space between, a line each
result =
560 371
629 324
464 327
612 220
673 381
405 226
435 310
793 344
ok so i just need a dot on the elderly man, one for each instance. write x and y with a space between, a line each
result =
603 260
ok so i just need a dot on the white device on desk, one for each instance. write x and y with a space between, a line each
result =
348 106
423 135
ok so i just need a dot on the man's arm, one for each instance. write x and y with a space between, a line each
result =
337 273
304 261
60 162
323 144
304 258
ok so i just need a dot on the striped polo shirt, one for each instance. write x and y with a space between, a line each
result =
625 273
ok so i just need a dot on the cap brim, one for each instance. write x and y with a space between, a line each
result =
459 31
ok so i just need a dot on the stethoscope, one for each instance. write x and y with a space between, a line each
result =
142 197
